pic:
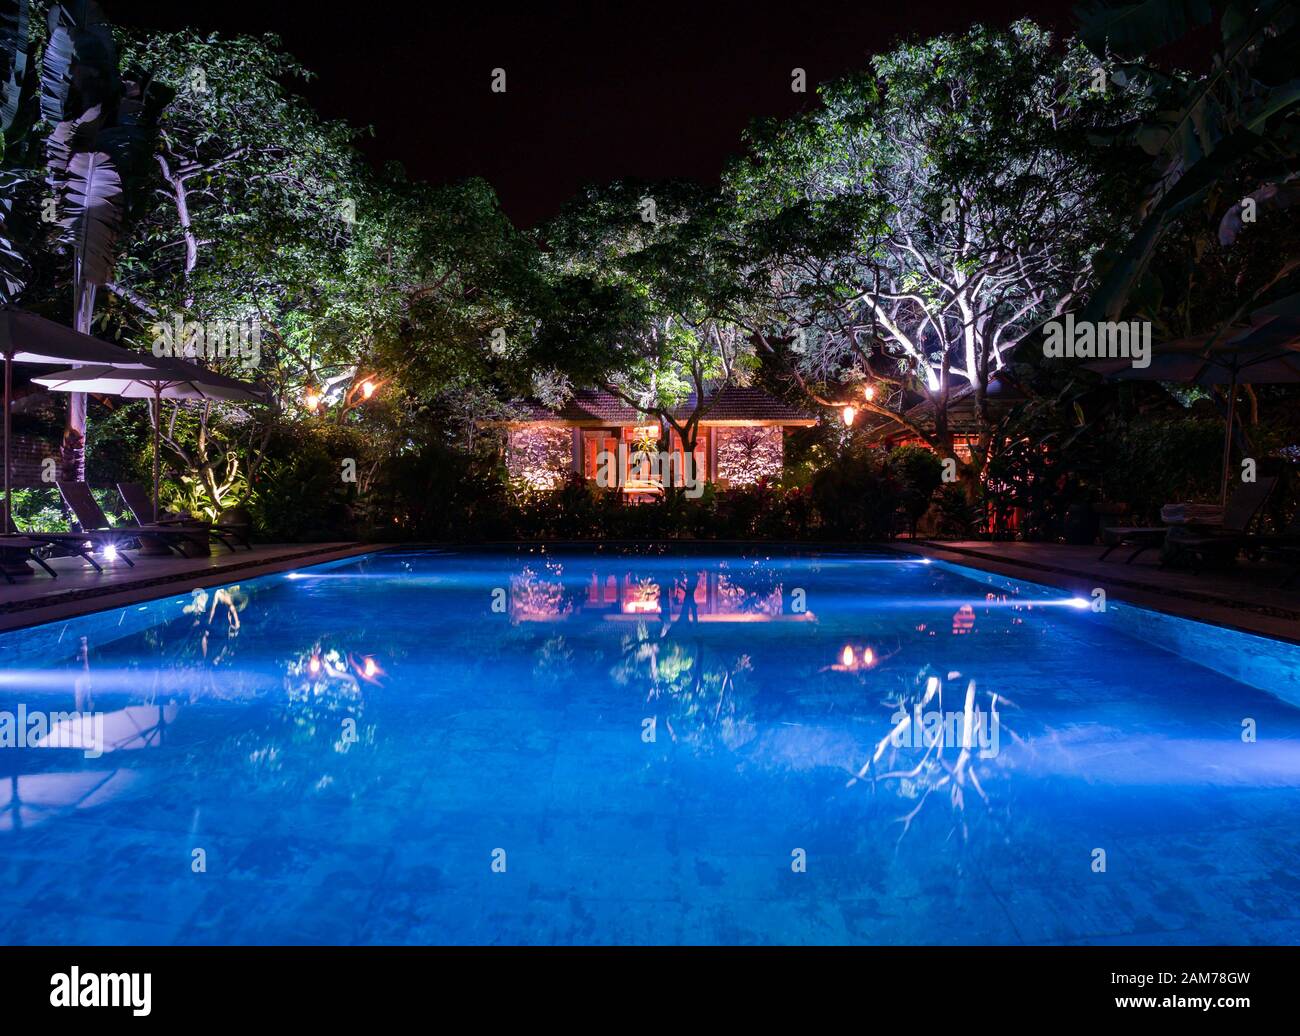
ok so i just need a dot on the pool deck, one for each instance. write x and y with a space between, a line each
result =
1246 597
79 588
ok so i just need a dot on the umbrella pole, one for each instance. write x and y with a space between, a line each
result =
157 434
9 386
1227 438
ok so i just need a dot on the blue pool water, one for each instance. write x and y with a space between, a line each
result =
456 747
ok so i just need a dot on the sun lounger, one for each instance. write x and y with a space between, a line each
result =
71 544
1241 509
1200 544
91 518
28 548
140 503
1142 537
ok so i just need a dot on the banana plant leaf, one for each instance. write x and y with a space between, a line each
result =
91 214
13 59
13 266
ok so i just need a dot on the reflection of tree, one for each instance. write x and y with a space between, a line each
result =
554 665
706 698
534 595
216 618
916 764
322 691
751 587
183 659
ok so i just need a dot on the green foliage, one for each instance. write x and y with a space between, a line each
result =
119 444
439 493
959 517
652 276
911 230
1154 462
299 494
1205 142
856 496
920 472
930 213
39 509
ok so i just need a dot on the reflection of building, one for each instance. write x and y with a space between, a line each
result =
741 439
701 595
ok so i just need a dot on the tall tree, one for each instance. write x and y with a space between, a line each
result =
251 202
929 214
665 287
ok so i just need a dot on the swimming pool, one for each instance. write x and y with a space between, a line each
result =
570 748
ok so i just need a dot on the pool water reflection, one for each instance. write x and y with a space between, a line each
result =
458 747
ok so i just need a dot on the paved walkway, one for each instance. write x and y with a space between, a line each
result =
1245 597
79 588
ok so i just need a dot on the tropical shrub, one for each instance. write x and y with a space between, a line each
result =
299 494
920 472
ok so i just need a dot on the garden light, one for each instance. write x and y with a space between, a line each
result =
849 413
367 389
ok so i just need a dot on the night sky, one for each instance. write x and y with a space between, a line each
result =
595 91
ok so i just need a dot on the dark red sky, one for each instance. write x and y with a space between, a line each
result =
595 91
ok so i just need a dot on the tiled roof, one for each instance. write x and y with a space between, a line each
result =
585 406
735 403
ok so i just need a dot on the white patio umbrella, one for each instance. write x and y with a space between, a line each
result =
168 379
27 338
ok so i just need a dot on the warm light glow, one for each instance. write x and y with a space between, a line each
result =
370 668
846 657
367 389
313 666
849 414
311 399
868 657
869 392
